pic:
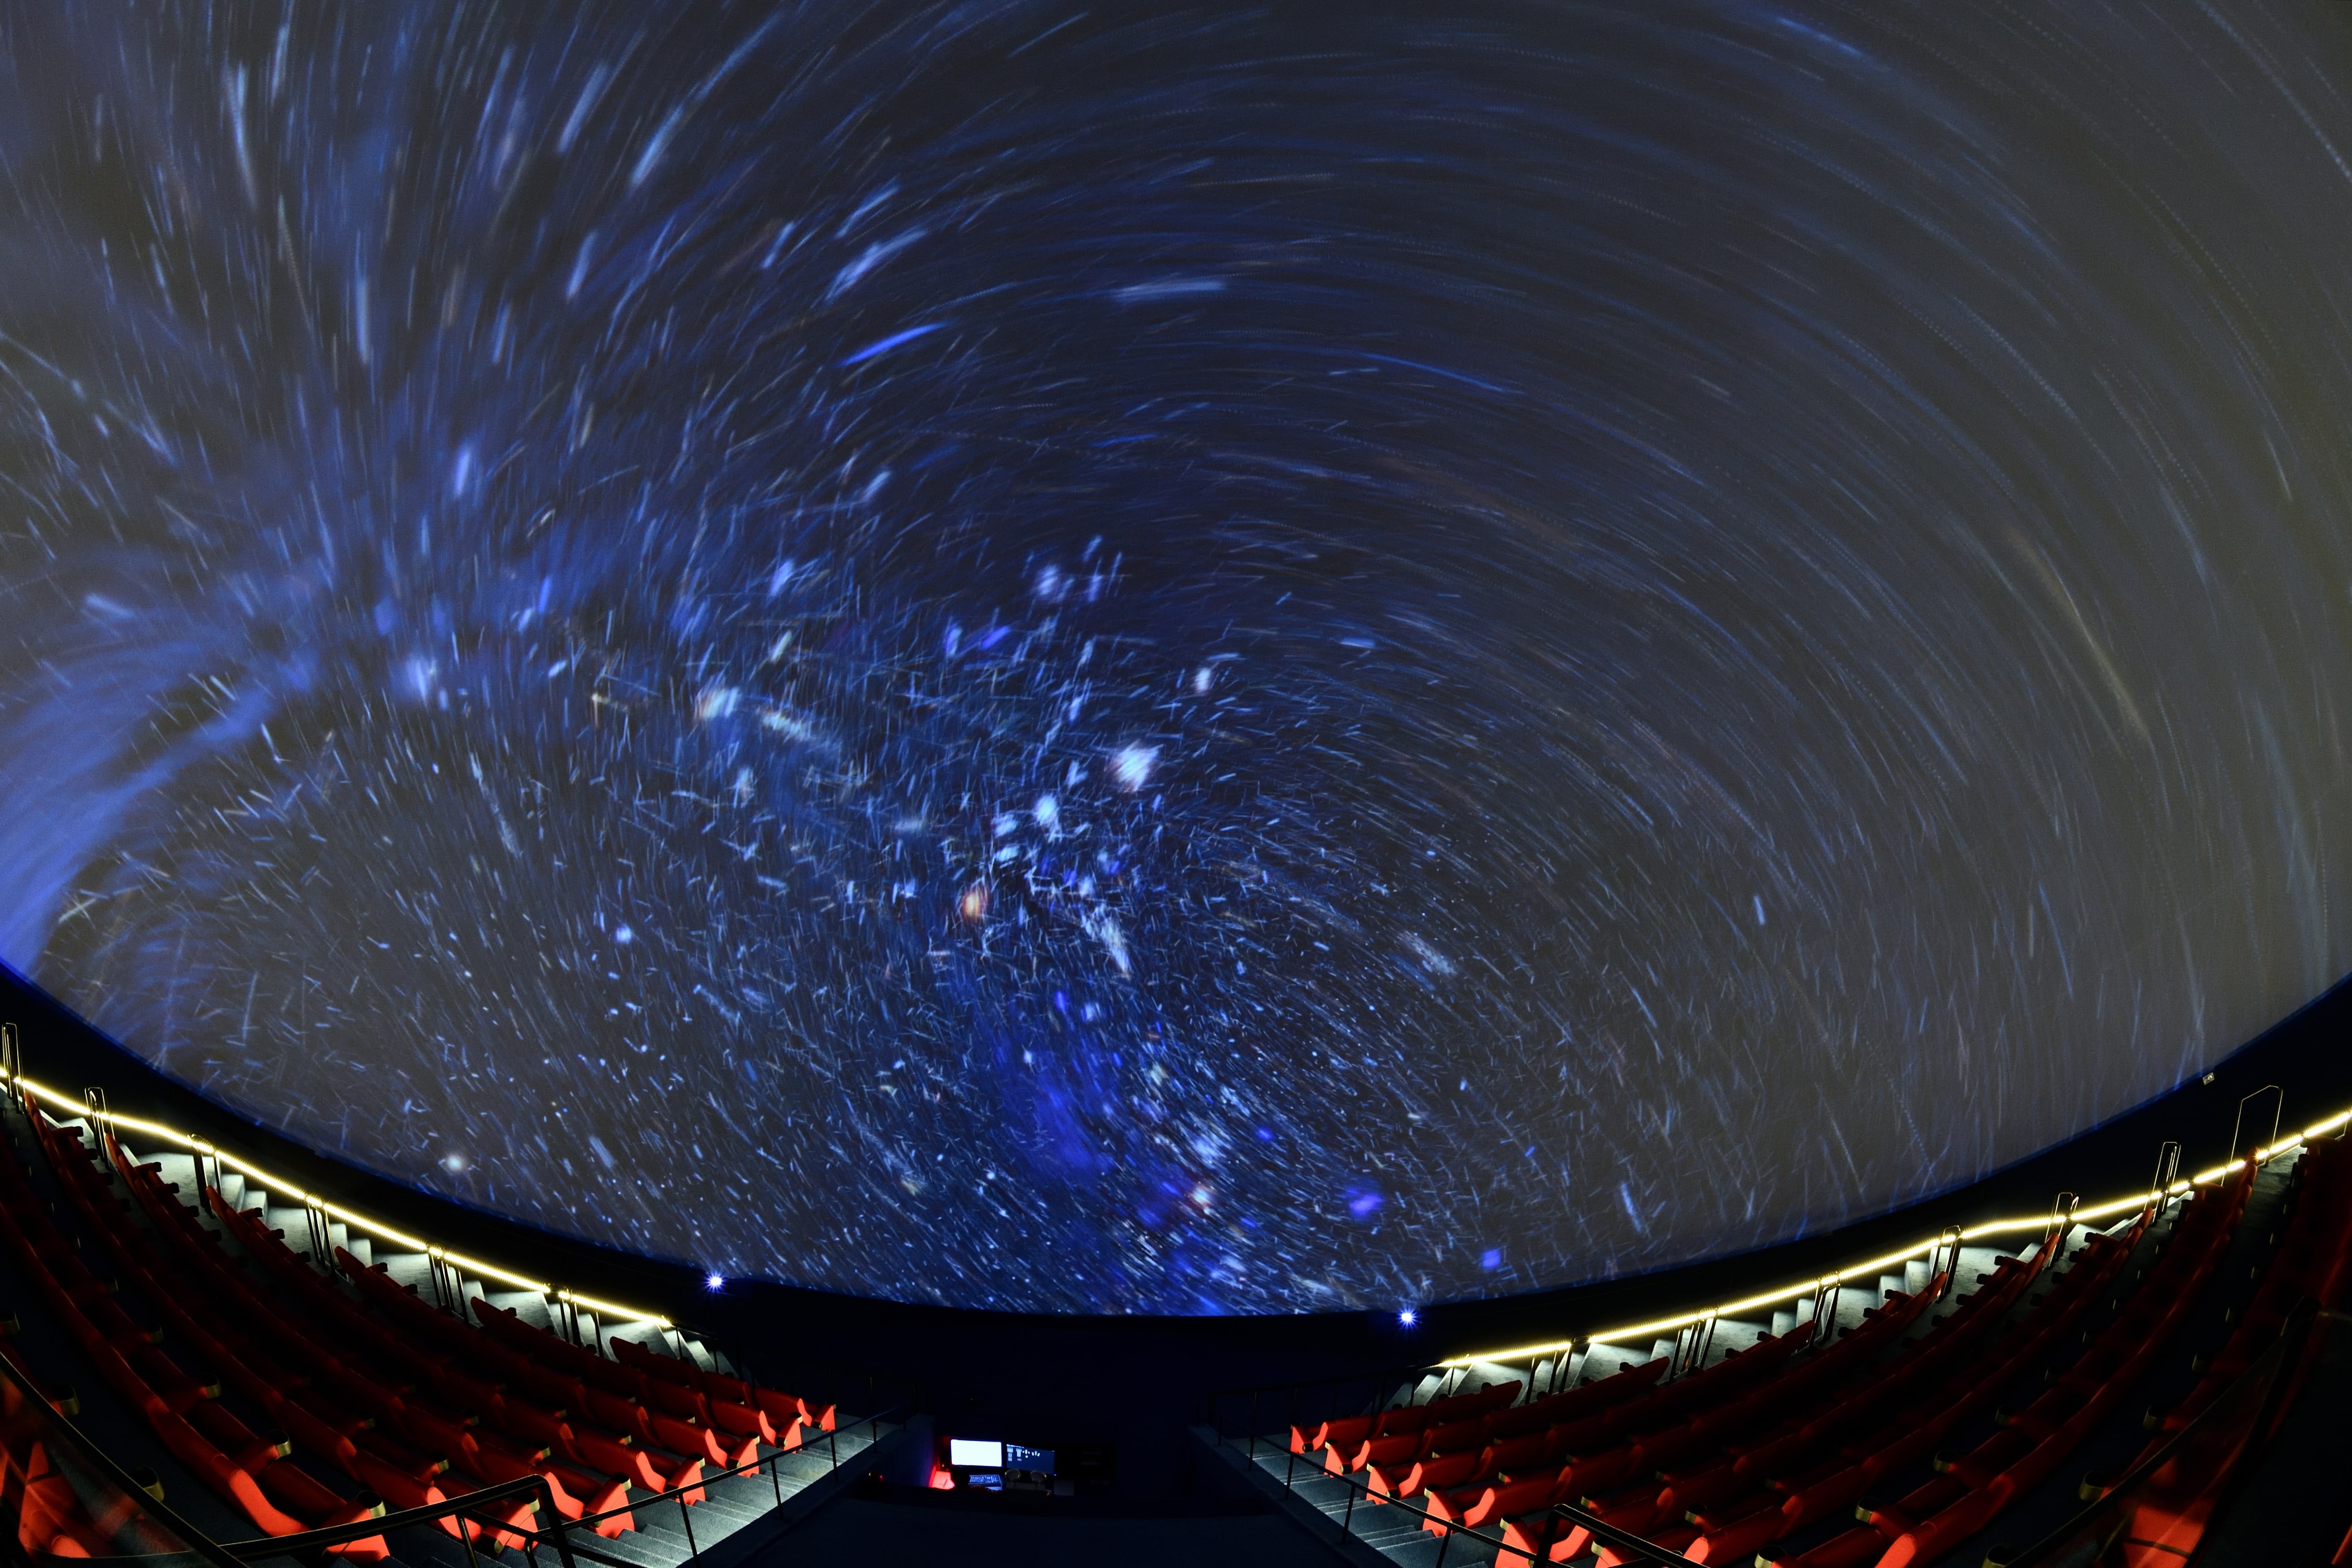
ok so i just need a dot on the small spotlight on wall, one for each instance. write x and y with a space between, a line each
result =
714 1281
1408 1318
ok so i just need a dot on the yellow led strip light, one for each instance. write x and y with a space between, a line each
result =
1790 1293
1793 1293
373 1227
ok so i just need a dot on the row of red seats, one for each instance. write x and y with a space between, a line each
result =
727 1404
375 1407
1648 1429
1790 1422
1511 1439
2312 1259
734 1399
251 1471
1971 1490
392 1416
1470 1445
650 1400
418 1413
630 1428
1468 1437
1348 1434
1813 1467
321 1390
1750 1470
423 1413
1737 1449
393 1399
50 1519
648 1419
55 1518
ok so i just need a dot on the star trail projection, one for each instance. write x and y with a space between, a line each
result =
1177 660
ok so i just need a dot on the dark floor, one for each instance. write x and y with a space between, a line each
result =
863 1527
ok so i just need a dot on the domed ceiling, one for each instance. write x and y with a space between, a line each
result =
1177 660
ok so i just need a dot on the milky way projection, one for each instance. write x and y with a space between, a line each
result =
1130 662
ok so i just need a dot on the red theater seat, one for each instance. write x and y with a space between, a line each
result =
389 1412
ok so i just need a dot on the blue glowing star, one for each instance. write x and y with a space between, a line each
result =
1408 1318
714 1281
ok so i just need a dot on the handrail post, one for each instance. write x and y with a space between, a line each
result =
2168 1170
563 1541
1827 1290
1292 1447
2277 1111
687 1515
1252 1427
1560 1363
1348 1517
101 1123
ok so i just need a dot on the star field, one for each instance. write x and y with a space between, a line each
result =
1177 660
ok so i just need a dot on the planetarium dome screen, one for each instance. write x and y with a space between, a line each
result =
1172 659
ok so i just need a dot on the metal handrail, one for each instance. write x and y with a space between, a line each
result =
232 1554
147 1503
2278 1109
464 1507
1395 1377
767 1461
235 1553
1376 1374
1600 1529
1623 1540
534 1486
1214 1402
1608 1534
2289 1343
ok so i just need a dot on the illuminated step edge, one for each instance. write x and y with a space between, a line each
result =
1792 1294
373 1227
